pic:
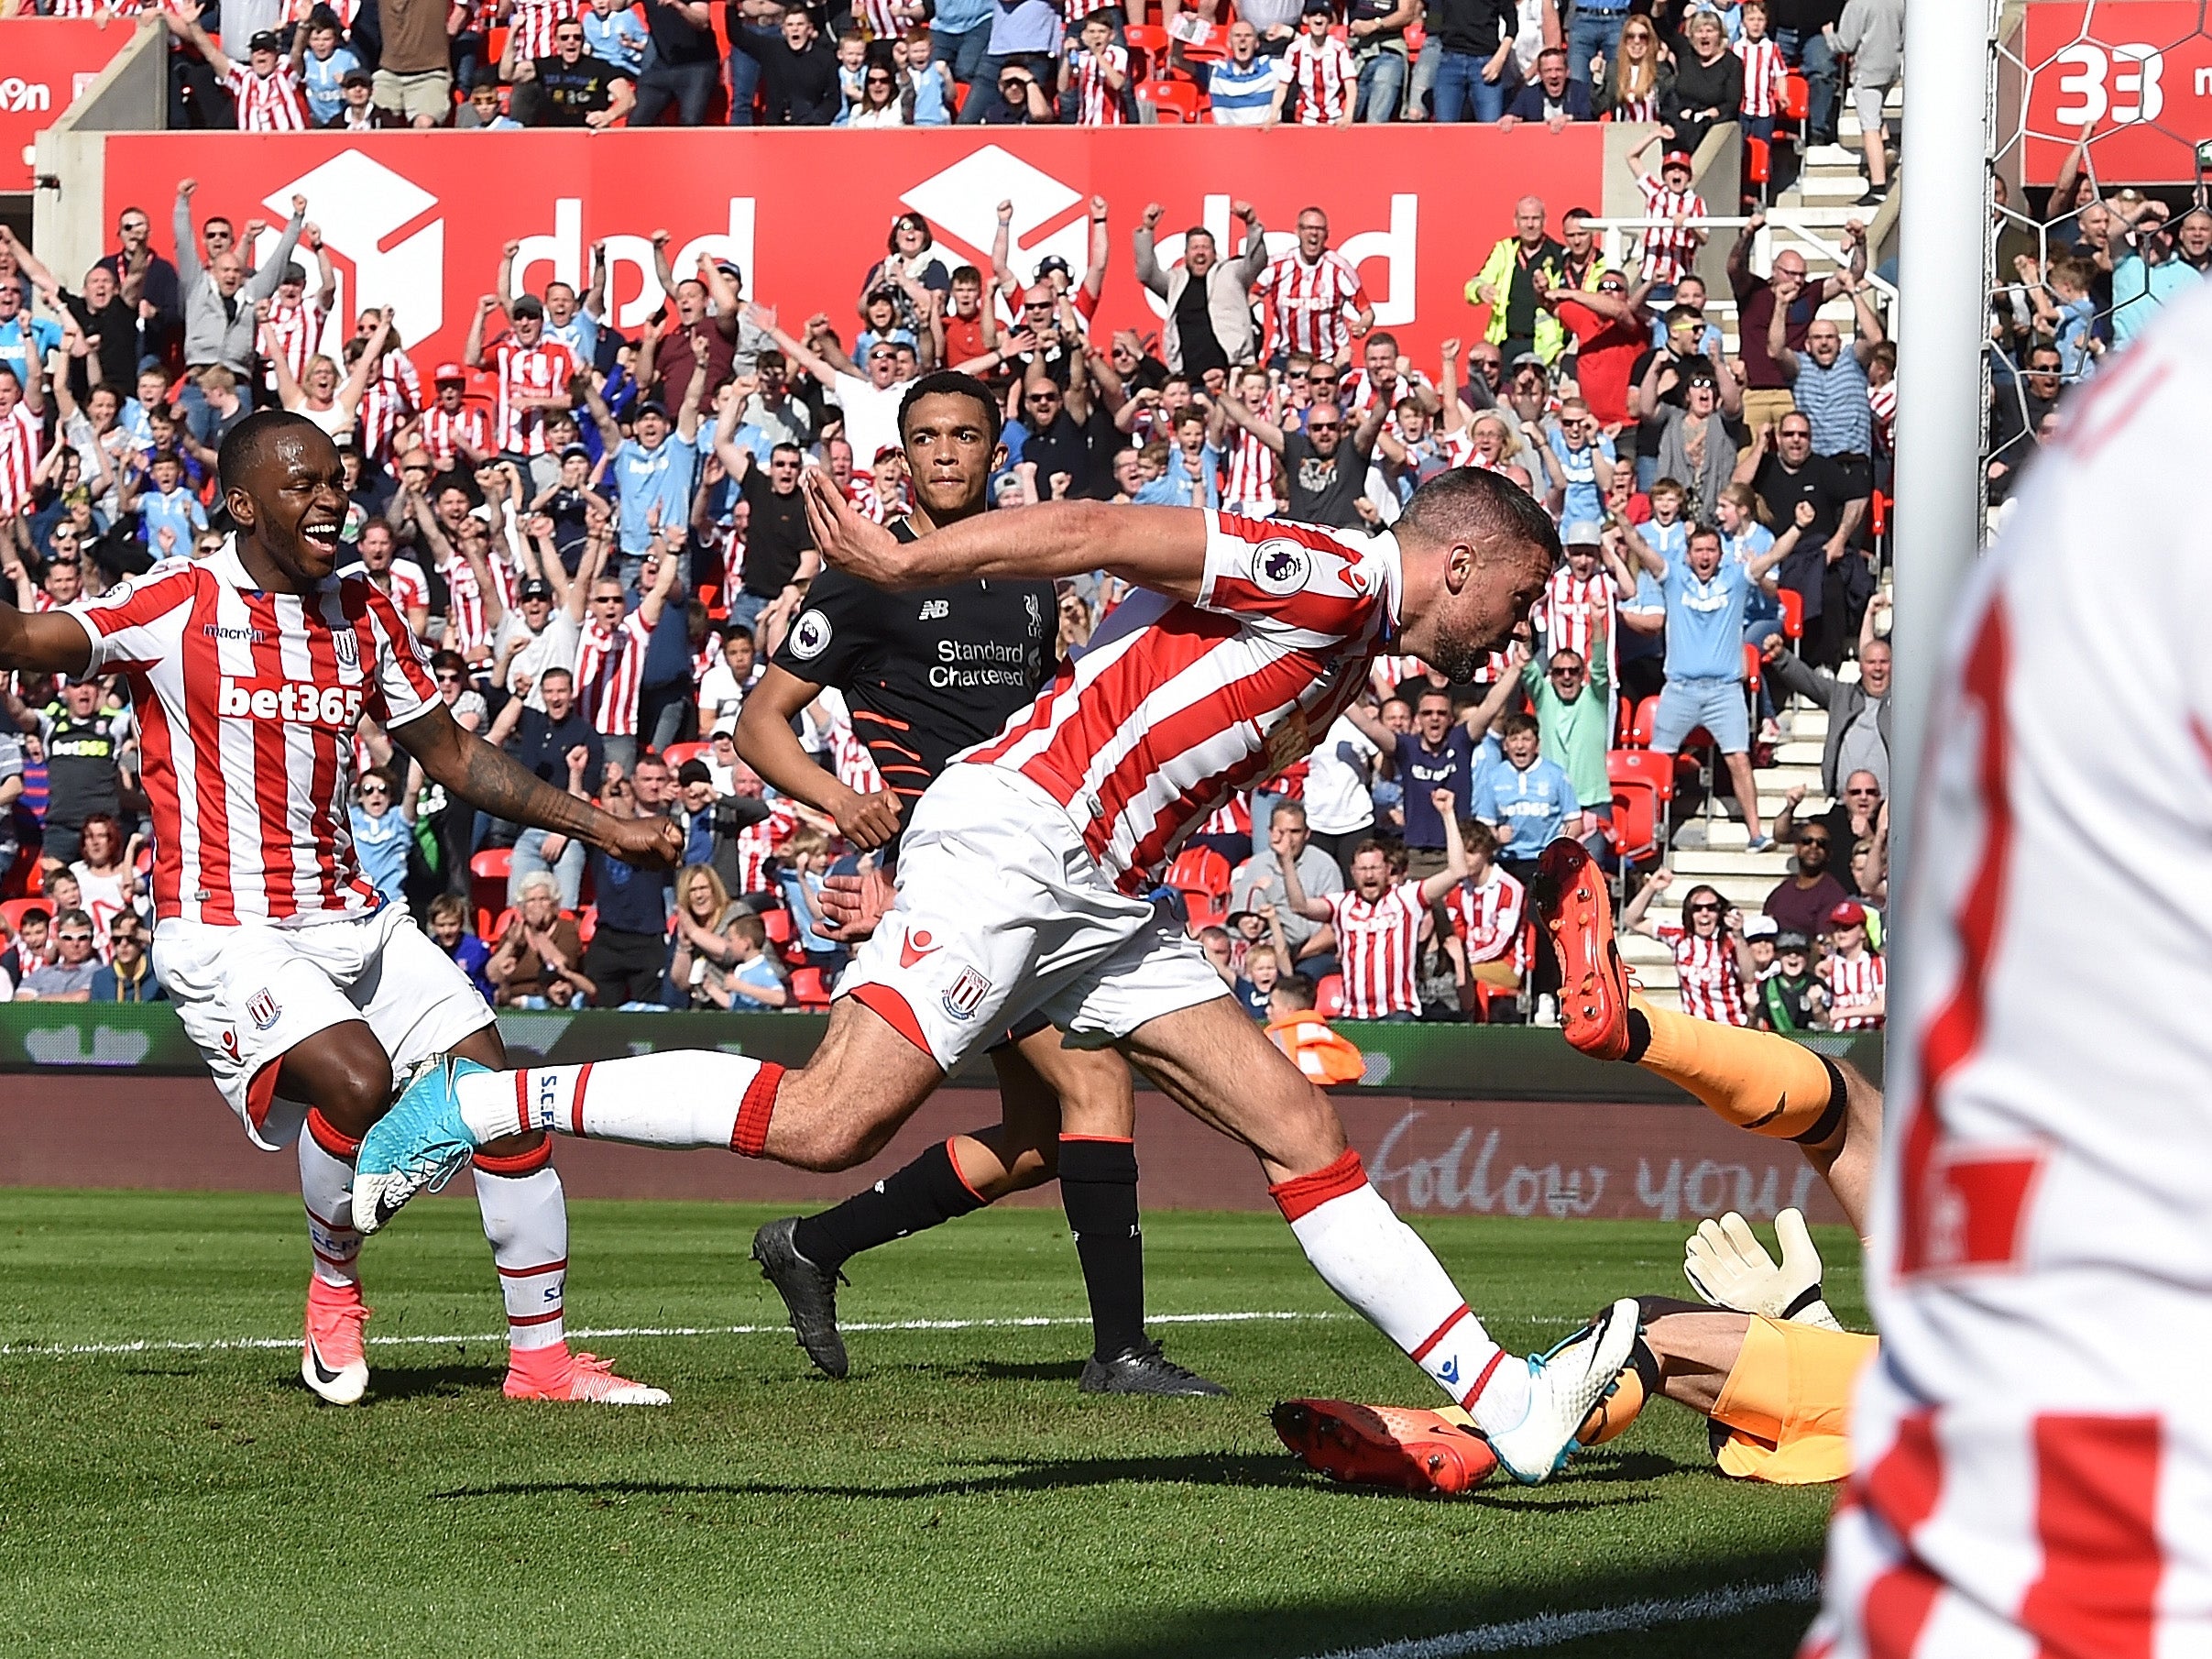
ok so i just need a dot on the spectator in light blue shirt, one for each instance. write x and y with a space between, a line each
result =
382 837
23 338
1191 461
1527 798
2156 272
1706 595
614 33
169 507
323 70
1242 87
653 472
1585 458
959 37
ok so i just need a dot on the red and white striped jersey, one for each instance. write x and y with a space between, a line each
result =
1075 11
1325 75
467 631
1232 816
850 760
1174 707
1378 941
1488 918
610 673
1668 252
1853 988
537 370
22 448
1097 103
879 19
247 704
296 333
1250 492
445 430
1705 976
1576 614
1645 108
1766 77
533 23
1881 409
273 102
388 403
873 503
759 843
1310 301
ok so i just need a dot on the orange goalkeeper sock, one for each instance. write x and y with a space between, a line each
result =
1756 1079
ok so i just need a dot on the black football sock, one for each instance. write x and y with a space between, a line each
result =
927 1192
1099 1190
1639 1036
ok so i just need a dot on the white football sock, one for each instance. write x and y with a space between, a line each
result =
681 1097
1379 1265
526 1219
326 1187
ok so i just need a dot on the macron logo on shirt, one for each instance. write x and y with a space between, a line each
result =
301 701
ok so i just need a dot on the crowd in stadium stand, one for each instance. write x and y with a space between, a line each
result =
599 536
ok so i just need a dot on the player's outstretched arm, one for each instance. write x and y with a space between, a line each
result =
49 643
1161 548
495 781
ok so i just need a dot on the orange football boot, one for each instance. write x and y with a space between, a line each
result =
1576 903
1399 1446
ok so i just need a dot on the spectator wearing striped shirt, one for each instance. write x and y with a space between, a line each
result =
1241 88
1380 921
1857 985
1712 962
265 88
1766 75
1670 248
1829 383
1317 80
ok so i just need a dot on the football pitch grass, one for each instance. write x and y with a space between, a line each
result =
956 1496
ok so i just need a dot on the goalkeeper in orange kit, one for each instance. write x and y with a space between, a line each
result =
1765 1361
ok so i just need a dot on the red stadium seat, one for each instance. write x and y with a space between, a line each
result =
1171 101
1654 772
1753 664
1147 37
1638 824
1877 515
1646 720
496 926
1329 997
488 874
807 988
1793 614
1199 873
11 912
778 925
587 922
1759 168
1797 98
676 755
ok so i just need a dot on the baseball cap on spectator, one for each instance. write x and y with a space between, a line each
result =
149 362
534 587
886 451
1052 263
1006 489
448 371
1528 359
651 406
1791 941
578 449
265 41
1582 533
1849 914
1762 926
357 77
526 305
1313 7
1674 159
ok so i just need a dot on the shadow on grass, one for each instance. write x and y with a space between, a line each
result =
434 1383
1062 1473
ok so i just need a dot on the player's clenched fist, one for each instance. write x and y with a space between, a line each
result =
653 843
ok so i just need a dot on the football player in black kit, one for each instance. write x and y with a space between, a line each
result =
926 674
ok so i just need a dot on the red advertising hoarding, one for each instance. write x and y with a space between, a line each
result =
417 220
2138 73
44 63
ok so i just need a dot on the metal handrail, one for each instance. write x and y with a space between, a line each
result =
1777 219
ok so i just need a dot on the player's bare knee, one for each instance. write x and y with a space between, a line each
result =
352 1096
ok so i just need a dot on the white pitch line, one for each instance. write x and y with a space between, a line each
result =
1549 1630
239 1344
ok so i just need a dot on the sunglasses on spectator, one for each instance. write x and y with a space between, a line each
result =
374 789
1042 397
1701 905
1321 377
74 938
448 674
879 80
1567 673
1323 425
1814 841
1864 789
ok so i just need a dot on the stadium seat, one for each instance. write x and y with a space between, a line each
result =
1754 664
11 912
1329 997
1796 107
497 926
1647 722
778 925
676 755
487 877
1759 167
1639 827
1200 874
1147 37
807 988
1642 766
1171 101
587 922
1793 614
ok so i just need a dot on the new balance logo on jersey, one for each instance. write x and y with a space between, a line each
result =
936 610
297 700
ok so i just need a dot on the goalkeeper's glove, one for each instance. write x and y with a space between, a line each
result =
1728 1268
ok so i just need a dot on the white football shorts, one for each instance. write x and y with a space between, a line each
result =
250 995
1002 913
